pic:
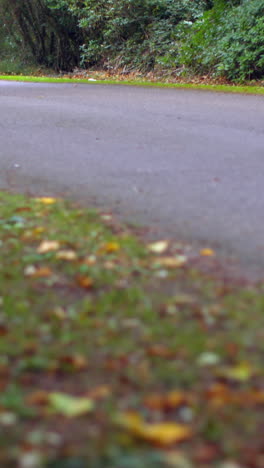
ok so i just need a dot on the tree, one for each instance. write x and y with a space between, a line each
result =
49 31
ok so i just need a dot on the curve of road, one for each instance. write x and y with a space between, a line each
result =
189 163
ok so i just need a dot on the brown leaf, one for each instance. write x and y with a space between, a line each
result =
220 395
37 272
38 398
23 209
85 281
160 350
99 393
3 329
77 361
171 400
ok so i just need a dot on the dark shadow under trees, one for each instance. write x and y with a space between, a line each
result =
51 35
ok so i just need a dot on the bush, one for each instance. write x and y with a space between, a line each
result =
228 41
137 33
45 29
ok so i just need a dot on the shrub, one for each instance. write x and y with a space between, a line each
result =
45 28
228 41
132 32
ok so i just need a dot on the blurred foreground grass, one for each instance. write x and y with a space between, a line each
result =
117 353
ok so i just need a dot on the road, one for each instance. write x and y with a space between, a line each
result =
189 163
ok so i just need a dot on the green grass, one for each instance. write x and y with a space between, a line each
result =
12 66
98 315
218 88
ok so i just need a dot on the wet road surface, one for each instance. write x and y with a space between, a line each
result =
188 163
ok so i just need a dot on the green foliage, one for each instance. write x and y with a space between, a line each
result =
228 41
216 37
43 28
137 33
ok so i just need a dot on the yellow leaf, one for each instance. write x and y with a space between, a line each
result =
68 255
38 230
241 372
159 246
68 405
207 252
164 433
46 200
110 247
48 246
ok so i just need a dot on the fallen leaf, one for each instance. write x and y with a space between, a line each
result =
160 350
85 281
38 398
46 200
77 361
100 393
48 246
38 230
90 260
158 247
68 255
163 433
171 262
207 252
183 299
3 329
110 247
208 358
106 216
241 372
37 272
22 209
219 395
171 400
68 405
59 313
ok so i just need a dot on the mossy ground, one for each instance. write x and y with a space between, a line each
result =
89 311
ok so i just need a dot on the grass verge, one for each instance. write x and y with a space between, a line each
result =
249 89
120 354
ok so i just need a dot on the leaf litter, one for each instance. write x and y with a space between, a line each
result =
116 352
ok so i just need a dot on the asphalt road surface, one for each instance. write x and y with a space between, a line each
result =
188 163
